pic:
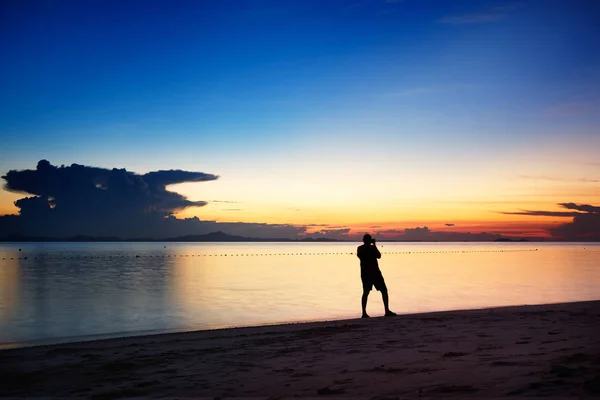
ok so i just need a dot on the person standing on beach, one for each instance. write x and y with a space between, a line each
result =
368 253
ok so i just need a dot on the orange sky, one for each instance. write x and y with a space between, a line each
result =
382 199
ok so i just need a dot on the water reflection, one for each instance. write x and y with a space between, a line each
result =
80 289
64 294
9 288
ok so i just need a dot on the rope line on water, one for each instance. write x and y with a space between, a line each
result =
256 254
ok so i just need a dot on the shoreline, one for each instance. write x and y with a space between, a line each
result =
307 324
527 350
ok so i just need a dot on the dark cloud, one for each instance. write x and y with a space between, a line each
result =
425 234
539 213
417 233
342 233
584 227
172 177
83 200
78 189
580 207
449 224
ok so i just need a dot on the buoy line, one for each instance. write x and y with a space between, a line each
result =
110 257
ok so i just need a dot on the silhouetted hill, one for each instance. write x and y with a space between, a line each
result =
224 237
218 236
510 240
208 237
77 238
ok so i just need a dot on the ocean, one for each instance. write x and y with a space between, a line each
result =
61 292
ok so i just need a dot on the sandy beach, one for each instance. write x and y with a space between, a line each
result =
524 351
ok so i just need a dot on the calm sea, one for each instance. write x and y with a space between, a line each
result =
53 292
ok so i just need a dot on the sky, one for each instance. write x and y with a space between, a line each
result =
409 119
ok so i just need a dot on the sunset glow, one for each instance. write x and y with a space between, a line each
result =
310 119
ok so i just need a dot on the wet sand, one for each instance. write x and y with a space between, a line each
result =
525 351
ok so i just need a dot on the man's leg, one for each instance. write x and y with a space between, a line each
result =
386 301
365 296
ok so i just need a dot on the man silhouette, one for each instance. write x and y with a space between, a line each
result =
371 275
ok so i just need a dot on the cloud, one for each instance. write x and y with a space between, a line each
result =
339 231
580 207
417 233
584 227
557 179
84 200
77 188
449 224
339 234
538 213
409 234
541 178
427 235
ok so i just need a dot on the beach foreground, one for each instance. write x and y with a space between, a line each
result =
526 351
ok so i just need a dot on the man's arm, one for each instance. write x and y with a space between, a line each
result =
377 253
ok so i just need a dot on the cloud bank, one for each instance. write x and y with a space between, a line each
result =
584 227
82 200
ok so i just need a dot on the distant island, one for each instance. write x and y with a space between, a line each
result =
208 237
218 236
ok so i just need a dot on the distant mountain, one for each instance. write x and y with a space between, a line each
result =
225 237
77 238
323 240
208 237
218 236
502 239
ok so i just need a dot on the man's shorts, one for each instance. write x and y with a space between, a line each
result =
370 280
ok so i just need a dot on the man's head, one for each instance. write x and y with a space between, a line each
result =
367 239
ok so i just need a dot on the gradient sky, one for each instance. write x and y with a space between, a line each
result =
347 114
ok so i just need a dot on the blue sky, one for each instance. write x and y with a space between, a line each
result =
213 72
226 86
